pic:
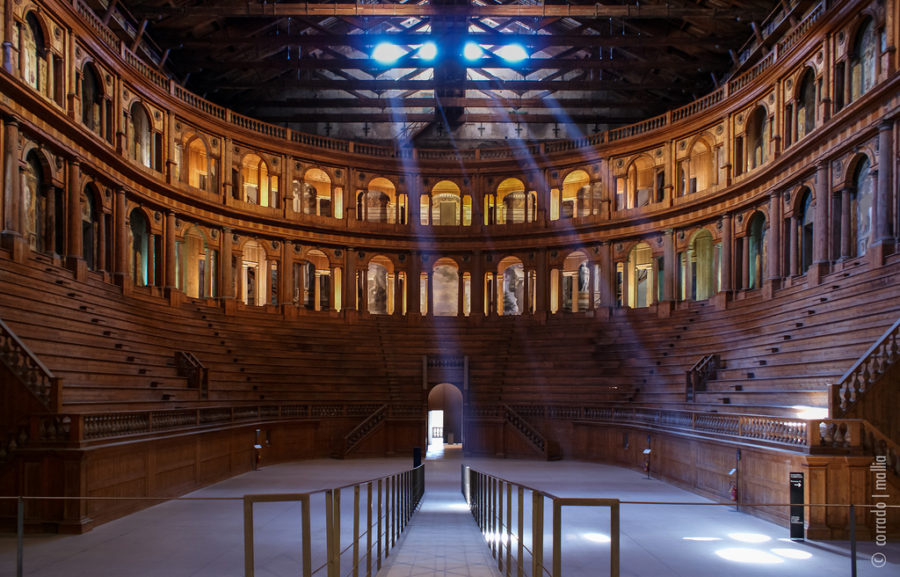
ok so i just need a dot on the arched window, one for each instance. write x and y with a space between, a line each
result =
757 250
861 198
445 288
637 188
92 102
862 60
575 289
254 269
317 281
806 105
142 267
143 143
511 200
90 227
805 221
757 138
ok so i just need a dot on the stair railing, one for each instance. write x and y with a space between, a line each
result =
854 384
190 367
700 374
29 370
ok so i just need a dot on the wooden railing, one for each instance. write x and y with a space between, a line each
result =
197 375
369 425
529 432
854 384
699 375
28 369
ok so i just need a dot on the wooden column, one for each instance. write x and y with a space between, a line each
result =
774 237
727 252
670 265
885 182
820 229
73 211
460 294
477 293
745 260
607 275
793 258
120 270
226 273
170 250
11 187
846 235
412 284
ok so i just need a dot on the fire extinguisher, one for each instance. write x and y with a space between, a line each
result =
732 492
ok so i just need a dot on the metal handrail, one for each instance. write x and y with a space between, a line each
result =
389 504
490 500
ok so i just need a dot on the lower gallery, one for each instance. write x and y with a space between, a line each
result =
703 306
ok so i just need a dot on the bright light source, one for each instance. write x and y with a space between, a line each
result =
428 51
387 53
750 537
472 51
702 538
749 556
597 537
512 53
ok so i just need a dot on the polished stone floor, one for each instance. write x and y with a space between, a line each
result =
204 537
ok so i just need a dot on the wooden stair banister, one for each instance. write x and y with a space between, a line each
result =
29 370
855 383
190 367
540 443
362 430
698 375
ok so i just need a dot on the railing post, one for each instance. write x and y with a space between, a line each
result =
356 531
537 534
248 537
520 554
20 537
306 545
369 529
508 526
614 540
380 526
557 538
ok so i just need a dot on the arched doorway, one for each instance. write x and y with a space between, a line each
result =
445 416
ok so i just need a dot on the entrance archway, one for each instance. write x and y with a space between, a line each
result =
445 415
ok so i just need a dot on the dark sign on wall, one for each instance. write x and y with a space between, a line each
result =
797 517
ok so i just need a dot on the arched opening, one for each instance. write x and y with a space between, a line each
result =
43 208
143 145
90 227
142 257
317 281
34 51
511 276
200 169
576 282
636 188
862 60
511 202
805 223
757 138
445 288
576 194
380 286
378 203
254 265
197 266
861 197
806 105
757 250
446 205
315 195
445 416
696 172
698 268
93 113
640 276
259 187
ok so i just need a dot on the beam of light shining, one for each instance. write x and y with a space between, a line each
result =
387 52
750 537
809 413
791 553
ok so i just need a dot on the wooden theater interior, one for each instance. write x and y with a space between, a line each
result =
664 225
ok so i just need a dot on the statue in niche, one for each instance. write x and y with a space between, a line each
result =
583 278
378 295
510 298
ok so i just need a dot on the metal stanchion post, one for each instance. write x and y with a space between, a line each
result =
852 541
20 536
